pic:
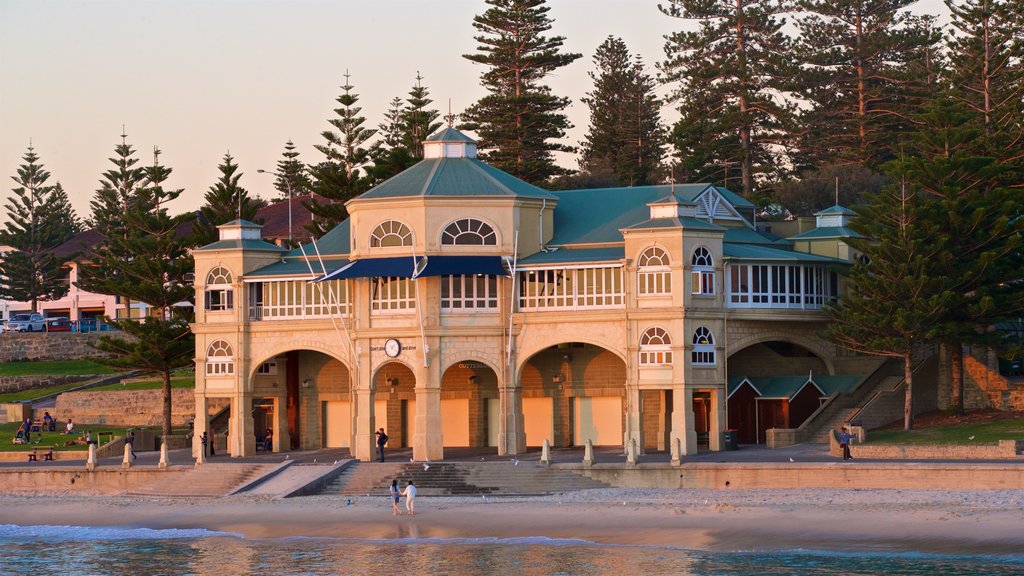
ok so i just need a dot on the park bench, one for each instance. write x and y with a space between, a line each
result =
37 452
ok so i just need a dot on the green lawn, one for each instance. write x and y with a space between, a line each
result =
182 382
986 433
54 368
36 393
55 439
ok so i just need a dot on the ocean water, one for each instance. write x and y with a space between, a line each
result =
73 550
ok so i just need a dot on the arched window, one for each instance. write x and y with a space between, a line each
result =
220 360
469 232
702 276
390 233
653 274
219 293
655 347
703 353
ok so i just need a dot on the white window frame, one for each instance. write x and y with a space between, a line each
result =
219 294
220 360
564 288
268 368
469 228
794 286
702 352
392 295
390 229
655 347
702 272
653 273
298 299
469 292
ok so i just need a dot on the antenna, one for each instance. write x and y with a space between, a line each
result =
450 118
837 190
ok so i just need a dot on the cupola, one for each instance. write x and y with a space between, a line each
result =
240 230
834 217
672 206
449 143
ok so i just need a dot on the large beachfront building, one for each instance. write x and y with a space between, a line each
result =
461 307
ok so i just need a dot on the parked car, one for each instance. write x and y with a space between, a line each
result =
60 324
26 323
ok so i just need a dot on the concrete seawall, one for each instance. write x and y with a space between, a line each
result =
61 479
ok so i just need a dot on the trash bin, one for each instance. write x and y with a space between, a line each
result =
729 441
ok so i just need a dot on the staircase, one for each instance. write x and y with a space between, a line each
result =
205 480
841 416
459 479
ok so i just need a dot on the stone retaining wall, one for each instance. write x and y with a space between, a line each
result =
49 346
130 408
19 383
67 479
1004 450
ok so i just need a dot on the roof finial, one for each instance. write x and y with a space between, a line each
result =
837 190
450 118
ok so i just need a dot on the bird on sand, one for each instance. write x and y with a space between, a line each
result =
971 438
426 466
791 460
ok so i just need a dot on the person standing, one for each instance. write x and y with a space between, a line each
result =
844 442
410 498
213 449
28 430
203 440
382 439
130 441
396 493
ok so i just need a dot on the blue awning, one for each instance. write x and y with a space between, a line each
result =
407 267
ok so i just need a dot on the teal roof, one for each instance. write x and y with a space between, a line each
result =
337 242
734 198
744 235
574 255
836 210
241 245
674 198
756 253
454 177
788 386
677 222
827 232
242 223
450 134
833 384
298 267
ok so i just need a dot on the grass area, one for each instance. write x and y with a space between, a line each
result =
55 439
36 393
972 433
54 368
181 382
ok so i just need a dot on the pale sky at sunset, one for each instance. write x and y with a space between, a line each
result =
199 78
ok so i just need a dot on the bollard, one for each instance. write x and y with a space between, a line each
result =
677 452
631 453
545 452
163 455
588 454
90 464
127 462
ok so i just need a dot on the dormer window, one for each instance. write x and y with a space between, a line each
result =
654 278
469 232
702 275
220 295
390 233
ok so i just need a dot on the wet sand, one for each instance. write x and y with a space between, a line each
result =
852 520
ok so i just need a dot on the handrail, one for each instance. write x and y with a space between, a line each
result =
878 393
802 429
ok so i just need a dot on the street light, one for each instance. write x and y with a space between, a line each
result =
288 184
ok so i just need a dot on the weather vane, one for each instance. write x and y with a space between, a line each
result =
450 118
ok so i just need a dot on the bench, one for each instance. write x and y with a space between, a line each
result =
36 453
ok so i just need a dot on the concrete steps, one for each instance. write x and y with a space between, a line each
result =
205 480
459 479
842 416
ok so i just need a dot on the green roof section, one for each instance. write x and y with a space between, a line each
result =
242 223
674 198
683 222
337 242
241 245
454 177
786 387
836 210
574 256
837 384
292 267
735 199
827 232
449 134
744 235
757 253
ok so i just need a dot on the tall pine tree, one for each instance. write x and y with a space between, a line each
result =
339 177
71 223
733 72
390 154
149 263
625 132
292 178
34 226
225 201
418 120
117 194
519 121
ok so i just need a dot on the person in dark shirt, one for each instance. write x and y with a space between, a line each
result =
382 439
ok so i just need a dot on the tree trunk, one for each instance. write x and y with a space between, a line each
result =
167 403
908 401
956 371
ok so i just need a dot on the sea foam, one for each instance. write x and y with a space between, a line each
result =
106 533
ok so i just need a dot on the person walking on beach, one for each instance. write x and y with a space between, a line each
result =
382 439
396 493
844 443
410 498
130 441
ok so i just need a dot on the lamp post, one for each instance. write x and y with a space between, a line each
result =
288 185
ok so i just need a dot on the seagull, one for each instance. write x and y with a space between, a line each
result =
484 496
426 466
971 438
791 459
314 460
287 456
481 458
335 462
515 461
411 460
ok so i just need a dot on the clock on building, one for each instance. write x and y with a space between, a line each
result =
392 347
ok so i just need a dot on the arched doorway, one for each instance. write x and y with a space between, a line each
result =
470 409
574 392
394 404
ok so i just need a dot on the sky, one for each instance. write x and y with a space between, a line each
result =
201 78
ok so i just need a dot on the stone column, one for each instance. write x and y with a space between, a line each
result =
428 442
281 440
511 427
201 423
664 420
634 419
717 423
682 419
242 440
364 445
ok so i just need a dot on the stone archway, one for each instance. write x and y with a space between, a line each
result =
394 403
470 405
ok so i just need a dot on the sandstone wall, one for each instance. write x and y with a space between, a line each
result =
19 383
48 346
129 408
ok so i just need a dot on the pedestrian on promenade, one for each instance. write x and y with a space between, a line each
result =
396 493
130 441
844 442
382 439
204 439
28 430
213 449
410 498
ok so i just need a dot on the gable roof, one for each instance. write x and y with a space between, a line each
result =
836 210
454 177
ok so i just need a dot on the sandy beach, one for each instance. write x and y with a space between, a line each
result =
951 522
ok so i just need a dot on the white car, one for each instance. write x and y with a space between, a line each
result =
26 323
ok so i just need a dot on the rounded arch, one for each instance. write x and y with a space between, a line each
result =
219 275
702 258
391 233
527 353
473 231
820 352
376 371
653 256
655 347
462 359
261 357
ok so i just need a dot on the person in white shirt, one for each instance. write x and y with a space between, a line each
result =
410 498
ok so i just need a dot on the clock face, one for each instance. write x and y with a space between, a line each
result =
392 348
